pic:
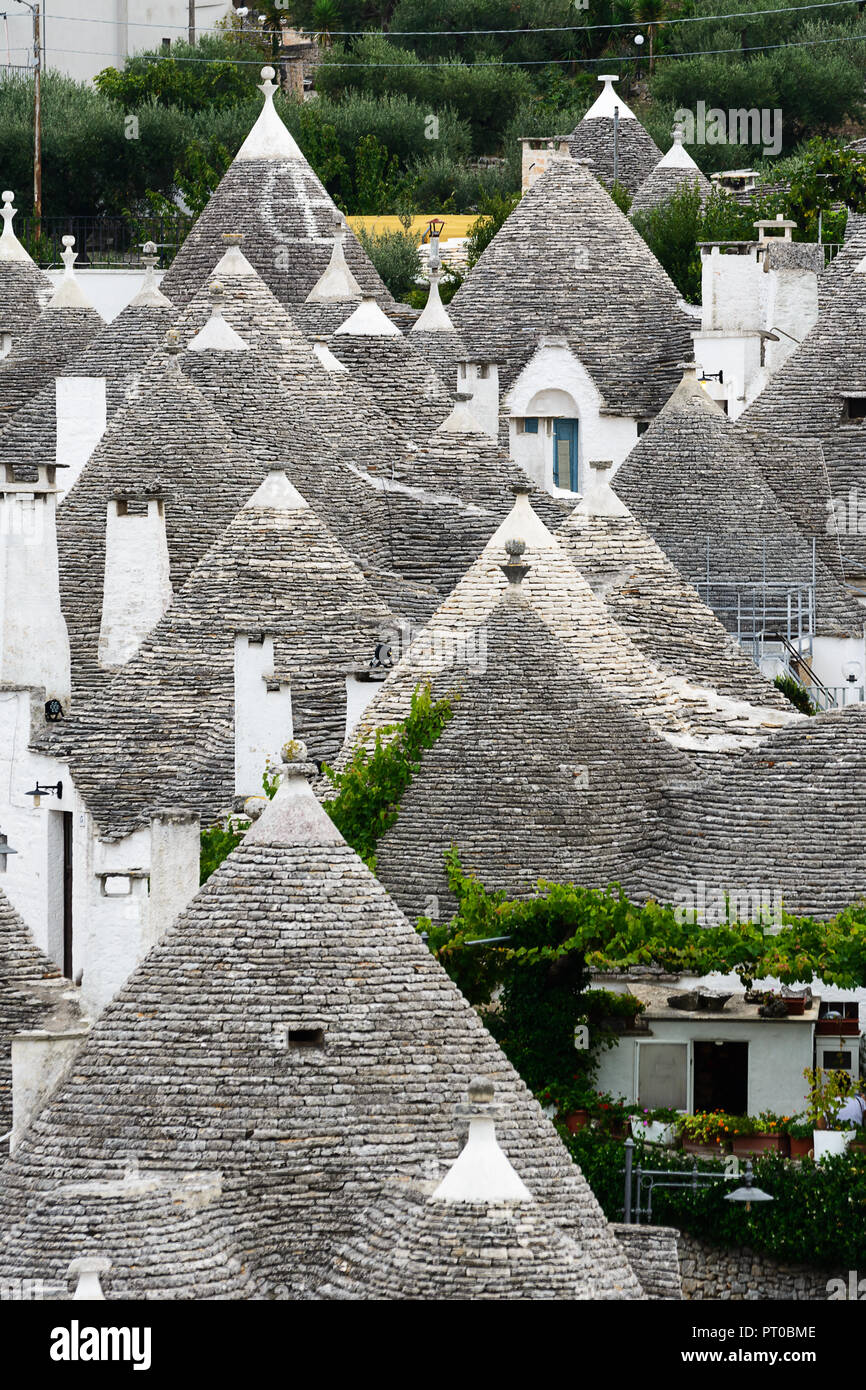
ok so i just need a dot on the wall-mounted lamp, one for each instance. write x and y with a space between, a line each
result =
50 789
53 711
712 376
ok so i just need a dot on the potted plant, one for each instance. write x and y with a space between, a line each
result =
828 1090
706 1134
610 1115
569 1104
857 1142
800 1141
657 1126
610 1012
757 1136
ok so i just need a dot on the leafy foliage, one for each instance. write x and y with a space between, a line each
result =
812 1220
794 691
217 841
395 256
371 785
183 80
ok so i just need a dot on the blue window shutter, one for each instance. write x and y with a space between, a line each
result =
530 425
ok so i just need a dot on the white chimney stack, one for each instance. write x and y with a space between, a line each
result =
137 584
480 380
34 642
263 712
81 419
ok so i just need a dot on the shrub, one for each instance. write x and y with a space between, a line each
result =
395 256
794 691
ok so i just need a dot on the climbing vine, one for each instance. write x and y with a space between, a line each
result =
371 785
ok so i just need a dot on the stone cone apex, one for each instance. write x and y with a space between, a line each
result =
217 335
150 295
369 321
233 261
514 569
277 493
10 247
294 817
599 498
608 101
461 420
482 1173
522 523
87 1270
434 317
269 137
69 294
677 156
337 282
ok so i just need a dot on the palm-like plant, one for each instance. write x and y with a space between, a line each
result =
652 13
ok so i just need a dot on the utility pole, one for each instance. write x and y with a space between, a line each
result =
192 23
37 115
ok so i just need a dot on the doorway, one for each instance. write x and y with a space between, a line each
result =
722 1077
67 894
565 454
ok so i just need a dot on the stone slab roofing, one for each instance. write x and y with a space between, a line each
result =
397 376
636 153
782 818
568 262
271 194
289 1046
846 260
56 337
31 987
24 288
119 353
815 396
661 612
166 441
166 724
675 170
414 1249
691 478
527 777
691 717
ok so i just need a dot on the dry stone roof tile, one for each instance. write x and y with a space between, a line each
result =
567 261
192 1069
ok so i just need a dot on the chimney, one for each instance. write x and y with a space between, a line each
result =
137 584
263 711
175 851
40 1059
480 381
34 643
81 419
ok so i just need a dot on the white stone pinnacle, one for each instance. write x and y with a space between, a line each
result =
677 156
150 295
336 281
608 101
482 1172
269 137
217 335
10 247
368 320
434 318
278 494
69 294
88 1269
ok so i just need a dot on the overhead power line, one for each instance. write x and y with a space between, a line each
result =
466 33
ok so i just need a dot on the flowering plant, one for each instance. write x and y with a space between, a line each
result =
708 1127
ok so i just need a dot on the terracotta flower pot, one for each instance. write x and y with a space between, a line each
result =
575 1120
795 1006
801 1148
757 1144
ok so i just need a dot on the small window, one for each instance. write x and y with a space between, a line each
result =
855 408
724 405
642 427
528 426
306 1037
836 1061
484 371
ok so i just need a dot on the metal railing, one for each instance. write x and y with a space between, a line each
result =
102 241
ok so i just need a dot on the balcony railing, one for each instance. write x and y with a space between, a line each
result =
103 242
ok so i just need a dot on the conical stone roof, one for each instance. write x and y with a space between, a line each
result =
675 170
780 821
807 400
30 988
60 333
290 1045
844 262
166 722
661 612
167 441
567 261
692 480
593 138
24 288
526 779
271 194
